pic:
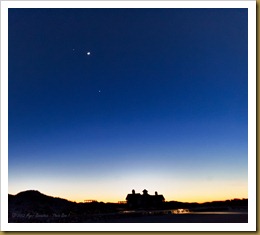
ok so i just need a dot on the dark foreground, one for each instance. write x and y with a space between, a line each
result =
34 207
208 217
185 218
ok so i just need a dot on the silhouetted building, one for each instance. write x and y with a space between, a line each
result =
136 200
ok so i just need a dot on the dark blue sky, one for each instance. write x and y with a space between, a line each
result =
163 90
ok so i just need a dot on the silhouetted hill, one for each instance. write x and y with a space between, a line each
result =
34 206
35 196
35 202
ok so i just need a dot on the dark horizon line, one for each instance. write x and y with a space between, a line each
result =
32 190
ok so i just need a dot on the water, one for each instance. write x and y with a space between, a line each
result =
181 211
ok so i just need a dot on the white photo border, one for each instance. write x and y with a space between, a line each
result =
250 226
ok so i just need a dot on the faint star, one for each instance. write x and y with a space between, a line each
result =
88 53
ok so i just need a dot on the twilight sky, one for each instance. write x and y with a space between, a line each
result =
159 104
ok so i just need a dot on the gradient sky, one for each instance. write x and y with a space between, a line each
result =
159 104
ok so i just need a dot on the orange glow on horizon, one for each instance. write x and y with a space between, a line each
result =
197 198
182 190
179 200
188 199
